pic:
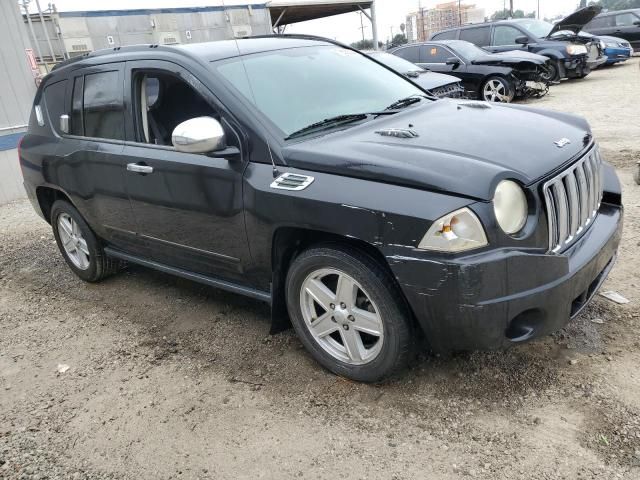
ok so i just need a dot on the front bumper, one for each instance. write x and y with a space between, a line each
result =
615 55
502 297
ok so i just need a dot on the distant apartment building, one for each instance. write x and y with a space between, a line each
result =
427 21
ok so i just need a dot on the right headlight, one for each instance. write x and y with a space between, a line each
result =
510 206
576 49
456 232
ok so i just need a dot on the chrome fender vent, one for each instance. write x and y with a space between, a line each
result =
292 181
398 133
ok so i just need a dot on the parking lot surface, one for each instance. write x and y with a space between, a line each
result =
171 379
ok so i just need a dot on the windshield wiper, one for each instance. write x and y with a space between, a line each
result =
330 122
405 102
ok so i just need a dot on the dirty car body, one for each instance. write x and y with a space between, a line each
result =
435 229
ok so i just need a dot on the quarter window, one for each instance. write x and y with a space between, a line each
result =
103 106
480 36
411 54
505 35
434 54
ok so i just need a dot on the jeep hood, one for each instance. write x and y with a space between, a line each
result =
576 20
461 147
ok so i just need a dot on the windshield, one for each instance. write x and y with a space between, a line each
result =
394 62
467 49
538 27
297 87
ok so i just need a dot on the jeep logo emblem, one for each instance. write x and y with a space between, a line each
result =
563 142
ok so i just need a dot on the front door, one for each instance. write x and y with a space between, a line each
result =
188 206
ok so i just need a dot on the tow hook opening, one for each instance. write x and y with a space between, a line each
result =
525 325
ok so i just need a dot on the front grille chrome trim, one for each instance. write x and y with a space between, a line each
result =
572 200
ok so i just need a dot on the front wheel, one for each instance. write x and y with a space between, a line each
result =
348 313
552 73
497 89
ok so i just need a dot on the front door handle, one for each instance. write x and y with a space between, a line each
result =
138 168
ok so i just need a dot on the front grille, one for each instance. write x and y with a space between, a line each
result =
453 90
573 199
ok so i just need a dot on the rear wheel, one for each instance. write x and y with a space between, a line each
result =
79 245
497 89
348 313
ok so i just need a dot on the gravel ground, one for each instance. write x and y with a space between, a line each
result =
170 379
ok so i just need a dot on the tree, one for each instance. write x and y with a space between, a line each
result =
399 39
502 14
365 44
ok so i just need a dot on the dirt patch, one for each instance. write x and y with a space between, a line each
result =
170 379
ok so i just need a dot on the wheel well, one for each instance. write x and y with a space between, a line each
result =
288 243
47 197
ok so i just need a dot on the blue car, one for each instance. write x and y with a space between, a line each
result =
616 49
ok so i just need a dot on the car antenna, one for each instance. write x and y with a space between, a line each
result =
276 173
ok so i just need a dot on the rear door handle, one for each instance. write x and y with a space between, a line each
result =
138 168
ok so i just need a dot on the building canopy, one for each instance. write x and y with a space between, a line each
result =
288 12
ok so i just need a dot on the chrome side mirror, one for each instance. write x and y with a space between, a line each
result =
199 135
64 123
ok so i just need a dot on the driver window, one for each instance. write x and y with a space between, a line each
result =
505 35
164 101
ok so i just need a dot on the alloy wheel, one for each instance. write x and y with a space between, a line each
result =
341 316
74 244
496 91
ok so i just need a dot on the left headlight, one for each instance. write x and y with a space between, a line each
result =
456 232
576 49
510 206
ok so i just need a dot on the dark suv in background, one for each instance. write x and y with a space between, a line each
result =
622 24
571 55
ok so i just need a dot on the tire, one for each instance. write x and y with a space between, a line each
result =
89 262
497 89
553 72
372 302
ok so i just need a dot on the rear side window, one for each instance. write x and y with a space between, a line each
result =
411 54
103 108
434 54
448 35
626 20
54 101
480 36
77 126
505 35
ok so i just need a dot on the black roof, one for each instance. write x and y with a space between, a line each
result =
617 12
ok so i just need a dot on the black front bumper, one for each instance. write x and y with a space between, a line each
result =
502 297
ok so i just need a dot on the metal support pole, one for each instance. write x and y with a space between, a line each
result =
46 33
34 39
374 25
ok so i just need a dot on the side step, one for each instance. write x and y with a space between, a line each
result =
196 277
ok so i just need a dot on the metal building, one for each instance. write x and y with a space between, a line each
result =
17 88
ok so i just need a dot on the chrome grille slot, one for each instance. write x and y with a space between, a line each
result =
573 199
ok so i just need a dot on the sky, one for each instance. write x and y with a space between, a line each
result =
345 28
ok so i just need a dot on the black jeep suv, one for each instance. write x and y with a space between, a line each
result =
572 55
303 173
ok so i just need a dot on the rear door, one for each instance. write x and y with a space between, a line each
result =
89 165
627 26
188 206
